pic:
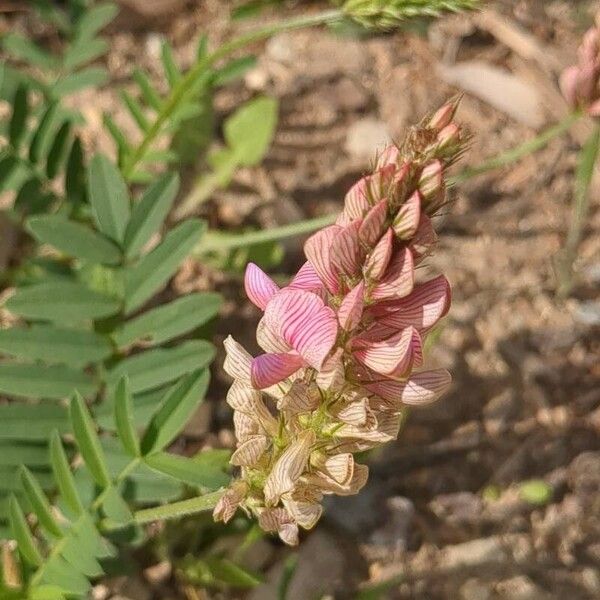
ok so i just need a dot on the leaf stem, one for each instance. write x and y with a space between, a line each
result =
187 83
176 510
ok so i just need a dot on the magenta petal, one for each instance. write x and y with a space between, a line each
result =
421 389
260 288
399 277
408 216
380 256
346 252
351 308
318 251
373 224
268 369
305 323
395 356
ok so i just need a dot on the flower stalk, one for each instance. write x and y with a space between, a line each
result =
343 341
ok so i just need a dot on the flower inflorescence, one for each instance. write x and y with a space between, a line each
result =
343 341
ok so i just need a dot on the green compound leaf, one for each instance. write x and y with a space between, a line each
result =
88 441
65 302
150 212
39 503
43 382
52 344
166 322
18 120
26 50
154 368
20 530
109 197
74 239
174 412
63 475
188 471
250 130
88 77
32 422
124 418
94 19
157 267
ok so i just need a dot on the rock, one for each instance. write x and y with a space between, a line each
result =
584 475
395 532
520 588
590 578
153 9
366 137
499 88
159 572
497 412
473 589
458 508
325 567
587 313
474 553
355 514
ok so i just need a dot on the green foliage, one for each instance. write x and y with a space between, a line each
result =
71 537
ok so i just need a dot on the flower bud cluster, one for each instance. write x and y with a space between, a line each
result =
343 341
580 83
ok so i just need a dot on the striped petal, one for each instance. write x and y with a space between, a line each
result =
351 308
268 340
306 514
339 467
280 521
395 356
421 389
250 452
230 501
269 369
318 251
330 486
424 239
346 252
422 308
260 288
305 323
399 278
244 426
243 398
306 279
356 412
387 429
372 226
237 360
289 467
331 375
301 398
356 202
379 259
408 216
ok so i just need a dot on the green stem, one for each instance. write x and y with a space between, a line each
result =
188 82
514 154
176 510
213 241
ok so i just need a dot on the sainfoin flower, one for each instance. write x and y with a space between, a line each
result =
580 83
343 342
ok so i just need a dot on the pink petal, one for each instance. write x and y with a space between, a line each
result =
399 278
421 389
260 288
306 279
408 216
424 239
346 253
389 156
422 308
379 183
442 116
373 224
356 202
395 356
318 251
268 340
351 308
303 321
269 369
378 260
568 85
431 179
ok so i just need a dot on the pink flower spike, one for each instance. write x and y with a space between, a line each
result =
356 203
318 251
372 226
421 389
399 278
260 288
443 116
432 179
346 253
424 239
351 308
379 258
305 323
408 217
393 357
269 369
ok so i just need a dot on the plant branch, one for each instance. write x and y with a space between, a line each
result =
188 82
176 510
